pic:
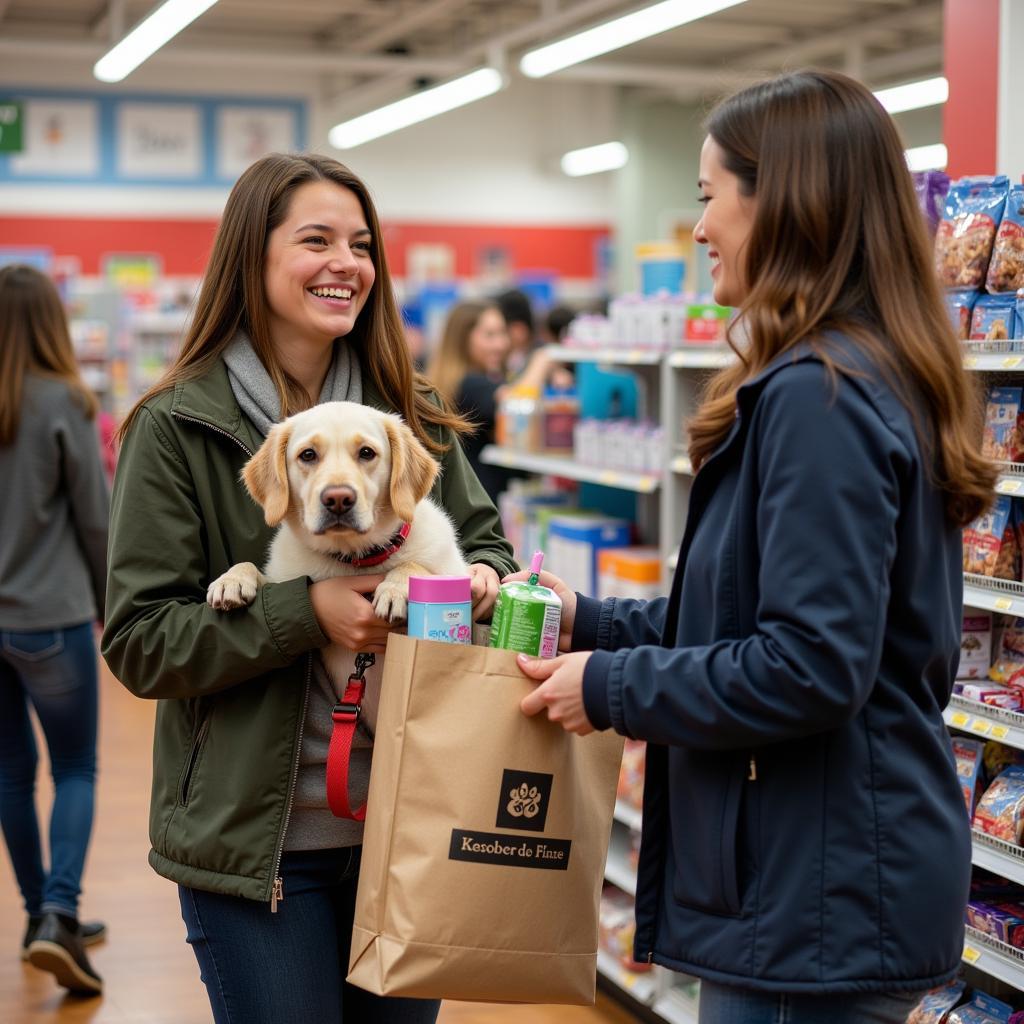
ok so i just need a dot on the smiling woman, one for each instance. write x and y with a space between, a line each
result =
296 309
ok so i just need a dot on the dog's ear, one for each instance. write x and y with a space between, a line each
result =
266 474
413 471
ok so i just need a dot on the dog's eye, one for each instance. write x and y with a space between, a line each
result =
366 454
307 455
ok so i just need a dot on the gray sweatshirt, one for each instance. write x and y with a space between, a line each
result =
54 512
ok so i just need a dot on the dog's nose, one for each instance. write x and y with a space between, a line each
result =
338 499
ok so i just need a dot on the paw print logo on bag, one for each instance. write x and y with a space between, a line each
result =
523 800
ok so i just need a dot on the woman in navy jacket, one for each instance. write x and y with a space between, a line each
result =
804 835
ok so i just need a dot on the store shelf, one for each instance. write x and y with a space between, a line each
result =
672 561
612 356
1011 479
994 958
532 462
988 361
617 869
993 595
642 987
983 720
628 814
996 855
676 1007
707 359
682 465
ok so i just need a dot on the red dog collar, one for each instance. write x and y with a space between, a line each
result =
381 553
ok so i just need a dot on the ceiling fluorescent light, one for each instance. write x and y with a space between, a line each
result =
147 37
609 156
592 42
927 158
914 95
418 107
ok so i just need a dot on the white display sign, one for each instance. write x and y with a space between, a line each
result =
159 140
61 137
244 134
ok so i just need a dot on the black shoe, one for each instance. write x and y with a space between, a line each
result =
57 948
89 933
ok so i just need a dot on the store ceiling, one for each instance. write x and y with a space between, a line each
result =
374 50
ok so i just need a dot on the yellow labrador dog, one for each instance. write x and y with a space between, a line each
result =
347 487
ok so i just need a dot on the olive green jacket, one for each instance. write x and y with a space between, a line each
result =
232 686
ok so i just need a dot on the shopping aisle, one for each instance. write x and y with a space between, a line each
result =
149 973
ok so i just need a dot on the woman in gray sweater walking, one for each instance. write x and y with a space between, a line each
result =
54 508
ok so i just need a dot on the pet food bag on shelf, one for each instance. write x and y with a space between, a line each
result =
1000 812
967 231
1006 269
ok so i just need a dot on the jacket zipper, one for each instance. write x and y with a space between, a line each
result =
277 886
752 774
210 426
193 757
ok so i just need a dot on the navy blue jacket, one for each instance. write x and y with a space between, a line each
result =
803 827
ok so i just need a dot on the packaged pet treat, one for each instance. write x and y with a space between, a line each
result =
960 305
963 242
1003 921
999 441
1008 561
937 1003
1009 698
1008 668
931 188
992 318
1006 269
984 537
968 755
997 757
982 1009
1000 812
975 646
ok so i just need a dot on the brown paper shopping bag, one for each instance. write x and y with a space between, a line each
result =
486 836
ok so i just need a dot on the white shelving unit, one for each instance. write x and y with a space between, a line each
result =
996 855
676 1007
984 720
606 356
565 466
994 958
643 987
628 815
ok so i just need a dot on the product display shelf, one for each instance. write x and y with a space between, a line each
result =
565 466
606 356
701 358
629 815
993 595
618 870
988 362
681 464
985 720
994 958
676 1006
642 987
998 856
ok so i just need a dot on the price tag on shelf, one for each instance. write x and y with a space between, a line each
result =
970 362
1009 486
972 955
608 477
1012 362
980 726
999 732
1002 604
960 719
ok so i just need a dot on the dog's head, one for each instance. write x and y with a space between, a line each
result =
340 471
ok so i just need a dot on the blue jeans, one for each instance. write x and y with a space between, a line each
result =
722 1004
54 670
290 967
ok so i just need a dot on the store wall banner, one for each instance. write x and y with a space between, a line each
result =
486 836
61 139
244 134
158 140
10 126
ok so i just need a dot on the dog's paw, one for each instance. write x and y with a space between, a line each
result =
391 601
234 589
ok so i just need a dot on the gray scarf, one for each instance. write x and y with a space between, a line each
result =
255 391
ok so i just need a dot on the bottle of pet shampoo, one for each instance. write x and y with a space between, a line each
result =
527 616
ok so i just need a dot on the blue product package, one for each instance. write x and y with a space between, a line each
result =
960 305
999 440
1018 315
1006 269
936 1003
573 543
992 318
441 608
967 231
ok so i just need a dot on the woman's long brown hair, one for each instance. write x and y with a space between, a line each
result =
451 363
838 243
34 338
233 296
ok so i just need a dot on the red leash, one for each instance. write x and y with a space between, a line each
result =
346 717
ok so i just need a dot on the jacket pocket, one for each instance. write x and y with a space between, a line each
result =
707 792
193 760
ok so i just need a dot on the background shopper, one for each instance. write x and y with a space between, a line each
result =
805 848
296 307
54 508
